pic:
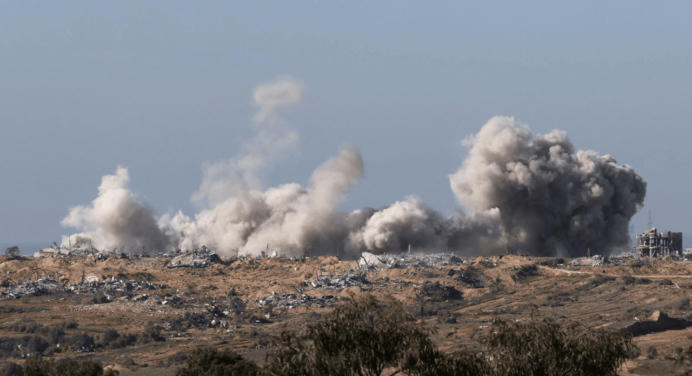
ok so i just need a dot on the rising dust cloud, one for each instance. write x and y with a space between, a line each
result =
521 193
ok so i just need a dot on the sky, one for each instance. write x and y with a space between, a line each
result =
165 87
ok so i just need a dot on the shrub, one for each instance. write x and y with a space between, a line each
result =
598 281
36 366
683 366
56 335
151 333
435 292
210 361
110 335
11 369
34 344
13 251
83 342
361 337
525 272
545 348
366 336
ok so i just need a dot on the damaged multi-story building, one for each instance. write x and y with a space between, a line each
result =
658 244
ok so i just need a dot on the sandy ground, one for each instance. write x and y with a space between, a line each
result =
595 296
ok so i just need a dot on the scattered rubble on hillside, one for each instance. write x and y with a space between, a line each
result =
291 300
340 281
43 286
115 284
47 285
408 260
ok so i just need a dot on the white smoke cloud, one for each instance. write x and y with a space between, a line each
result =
529 194
117 218
289 217
551 200
224 179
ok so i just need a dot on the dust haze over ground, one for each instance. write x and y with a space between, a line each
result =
526 194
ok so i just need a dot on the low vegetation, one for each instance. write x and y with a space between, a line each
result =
366 337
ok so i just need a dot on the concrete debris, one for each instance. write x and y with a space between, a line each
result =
196 259
367 259
43 286
116 284
47 285
91 279
408 260
174 301
339 281
291 300
587 261
658 322
200 320
77 250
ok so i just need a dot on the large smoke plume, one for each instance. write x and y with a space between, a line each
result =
551 200
525 194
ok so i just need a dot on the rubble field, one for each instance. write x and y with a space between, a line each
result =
141 314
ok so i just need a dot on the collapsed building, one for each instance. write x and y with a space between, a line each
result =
658 244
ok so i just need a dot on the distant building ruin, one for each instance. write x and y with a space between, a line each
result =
658 244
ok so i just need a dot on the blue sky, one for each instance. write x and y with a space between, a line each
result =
162 87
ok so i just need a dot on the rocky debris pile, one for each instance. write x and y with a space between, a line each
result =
340 281
658 322
587 261
76 250
291 300
408 260
174 301
436 292
113 284
43 286
47 285
196 259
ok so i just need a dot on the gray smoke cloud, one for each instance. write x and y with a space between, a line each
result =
551 200
522 193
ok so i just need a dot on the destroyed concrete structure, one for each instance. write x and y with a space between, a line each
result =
408 260
652 243
196 259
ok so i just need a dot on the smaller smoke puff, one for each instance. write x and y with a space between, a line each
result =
283 92
413 223
274 138
117 219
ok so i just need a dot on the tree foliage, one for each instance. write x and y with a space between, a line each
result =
12 251
37 366
544 347
210 361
